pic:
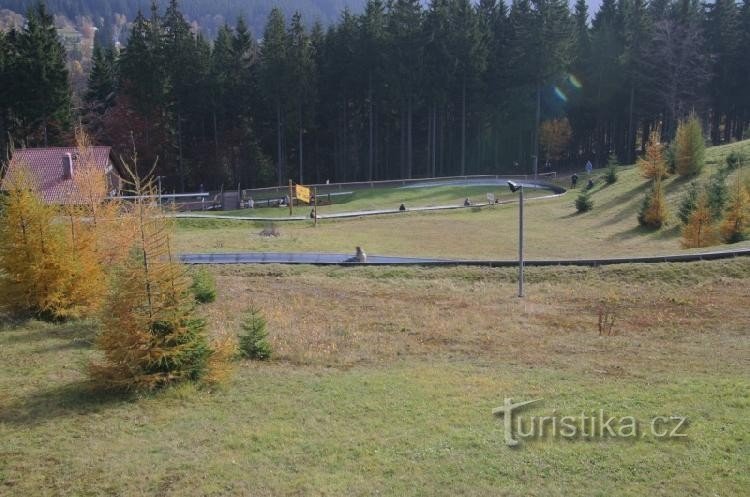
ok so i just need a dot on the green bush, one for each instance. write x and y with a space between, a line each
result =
204 286
670 158
734 160
610 177
584 202
254 339
718 194
688 203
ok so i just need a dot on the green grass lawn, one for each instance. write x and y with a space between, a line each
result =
383 382
553 228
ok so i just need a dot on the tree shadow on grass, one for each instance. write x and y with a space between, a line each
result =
679 183
29 331
638 231
625 196
72 399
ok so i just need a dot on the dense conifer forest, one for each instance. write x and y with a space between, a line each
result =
398 90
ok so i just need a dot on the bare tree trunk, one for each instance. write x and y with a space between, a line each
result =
463 127
631 127
434 140
301 148
409 145
179 152
371 151
279 158
402 147
535 146
216 137
428 141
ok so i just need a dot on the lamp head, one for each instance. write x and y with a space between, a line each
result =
514 187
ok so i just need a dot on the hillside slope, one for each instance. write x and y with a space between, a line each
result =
553 228
210 15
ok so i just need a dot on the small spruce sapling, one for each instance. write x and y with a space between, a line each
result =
254 338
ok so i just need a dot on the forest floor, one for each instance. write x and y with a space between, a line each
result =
383 381
553 227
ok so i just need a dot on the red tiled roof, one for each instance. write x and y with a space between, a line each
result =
46 166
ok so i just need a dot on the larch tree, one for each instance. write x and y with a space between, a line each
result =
737 218
32 250
653 165
700 230
653 212
151 336
689 147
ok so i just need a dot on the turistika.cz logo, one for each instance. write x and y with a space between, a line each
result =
589 425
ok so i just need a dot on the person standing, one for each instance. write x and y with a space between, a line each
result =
361 256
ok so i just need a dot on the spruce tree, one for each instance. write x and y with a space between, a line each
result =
40 74
102 80
274 73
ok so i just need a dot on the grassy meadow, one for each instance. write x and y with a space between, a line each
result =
386 198
383 382
553 228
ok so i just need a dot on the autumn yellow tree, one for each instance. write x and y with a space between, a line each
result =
554 137
33 251
700 230
737 218
151 336
653 165
111 230
653 212
689 147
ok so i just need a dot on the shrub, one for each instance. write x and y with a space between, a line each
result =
270 229
688 203
734 160
653 165
699 231
718 194
690 147
254 339
204 286
610 177
653 211
669 158
584 202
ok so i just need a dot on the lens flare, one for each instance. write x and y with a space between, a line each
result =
575 82
562 96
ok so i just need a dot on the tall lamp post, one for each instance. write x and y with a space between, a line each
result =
516 187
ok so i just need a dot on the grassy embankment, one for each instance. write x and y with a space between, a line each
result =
384 198
553 228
